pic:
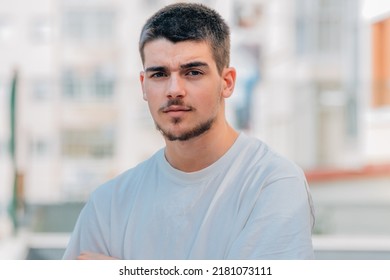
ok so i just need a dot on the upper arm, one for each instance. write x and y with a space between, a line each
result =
90 232
279 225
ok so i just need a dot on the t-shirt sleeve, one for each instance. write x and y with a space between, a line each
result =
279 225
90 232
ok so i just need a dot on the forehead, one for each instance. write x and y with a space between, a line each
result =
162 52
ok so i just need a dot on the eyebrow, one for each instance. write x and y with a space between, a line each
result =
194 64
184 66
156 69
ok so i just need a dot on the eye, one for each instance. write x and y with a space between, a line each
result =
158 75
194 73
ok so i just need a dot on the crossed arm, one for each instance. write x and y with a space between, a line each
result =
94 256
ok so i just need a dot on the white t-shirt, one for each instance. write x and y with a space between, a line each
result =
250 204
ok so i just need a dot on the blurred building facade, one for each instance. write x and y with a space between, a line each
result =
323 99
378 115
82 119
310 97
80 112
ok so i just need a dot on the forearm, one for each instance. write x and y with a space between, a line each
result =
94 256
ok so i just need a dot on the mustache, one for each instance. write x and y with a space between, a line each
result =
174 102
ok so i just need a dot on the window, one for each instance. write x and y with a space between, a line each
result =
102 83
2 88
5 29
39 147
320 25
41 89
302 26
95 143
94 24
2 148
95 85
330 26
41 30
71 85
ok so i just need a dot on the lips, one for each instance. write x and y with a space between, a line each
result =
176 108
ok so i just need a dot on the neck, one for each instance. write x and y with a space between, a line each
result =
202 151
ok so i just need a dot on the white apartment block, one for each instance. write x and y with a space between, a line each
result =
310 98
82 119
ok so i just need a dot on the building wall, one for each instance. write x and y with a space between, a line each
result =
377 62
381 63
309 99
82 117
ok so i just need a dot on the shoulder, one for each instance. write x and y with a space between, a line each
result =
281 182
126 182
260 156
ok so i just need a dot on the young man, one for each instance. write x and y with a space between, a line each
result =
211 193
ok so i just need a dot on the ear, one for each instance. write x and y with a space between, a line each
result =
229 81
142 80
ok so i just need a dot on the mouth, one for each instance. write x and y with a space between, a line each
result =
176 108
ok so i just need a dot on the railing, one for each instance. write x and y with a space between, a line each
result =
339 247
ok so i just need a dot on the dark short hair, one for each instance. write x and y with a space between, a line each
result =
189 22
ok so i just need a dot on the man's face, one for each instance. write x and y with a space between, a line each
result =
183 88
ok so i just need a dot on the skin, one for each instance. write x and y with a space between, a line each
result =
186 73
94 256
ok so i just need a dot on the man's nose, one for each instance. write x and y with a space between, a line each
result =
176 87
